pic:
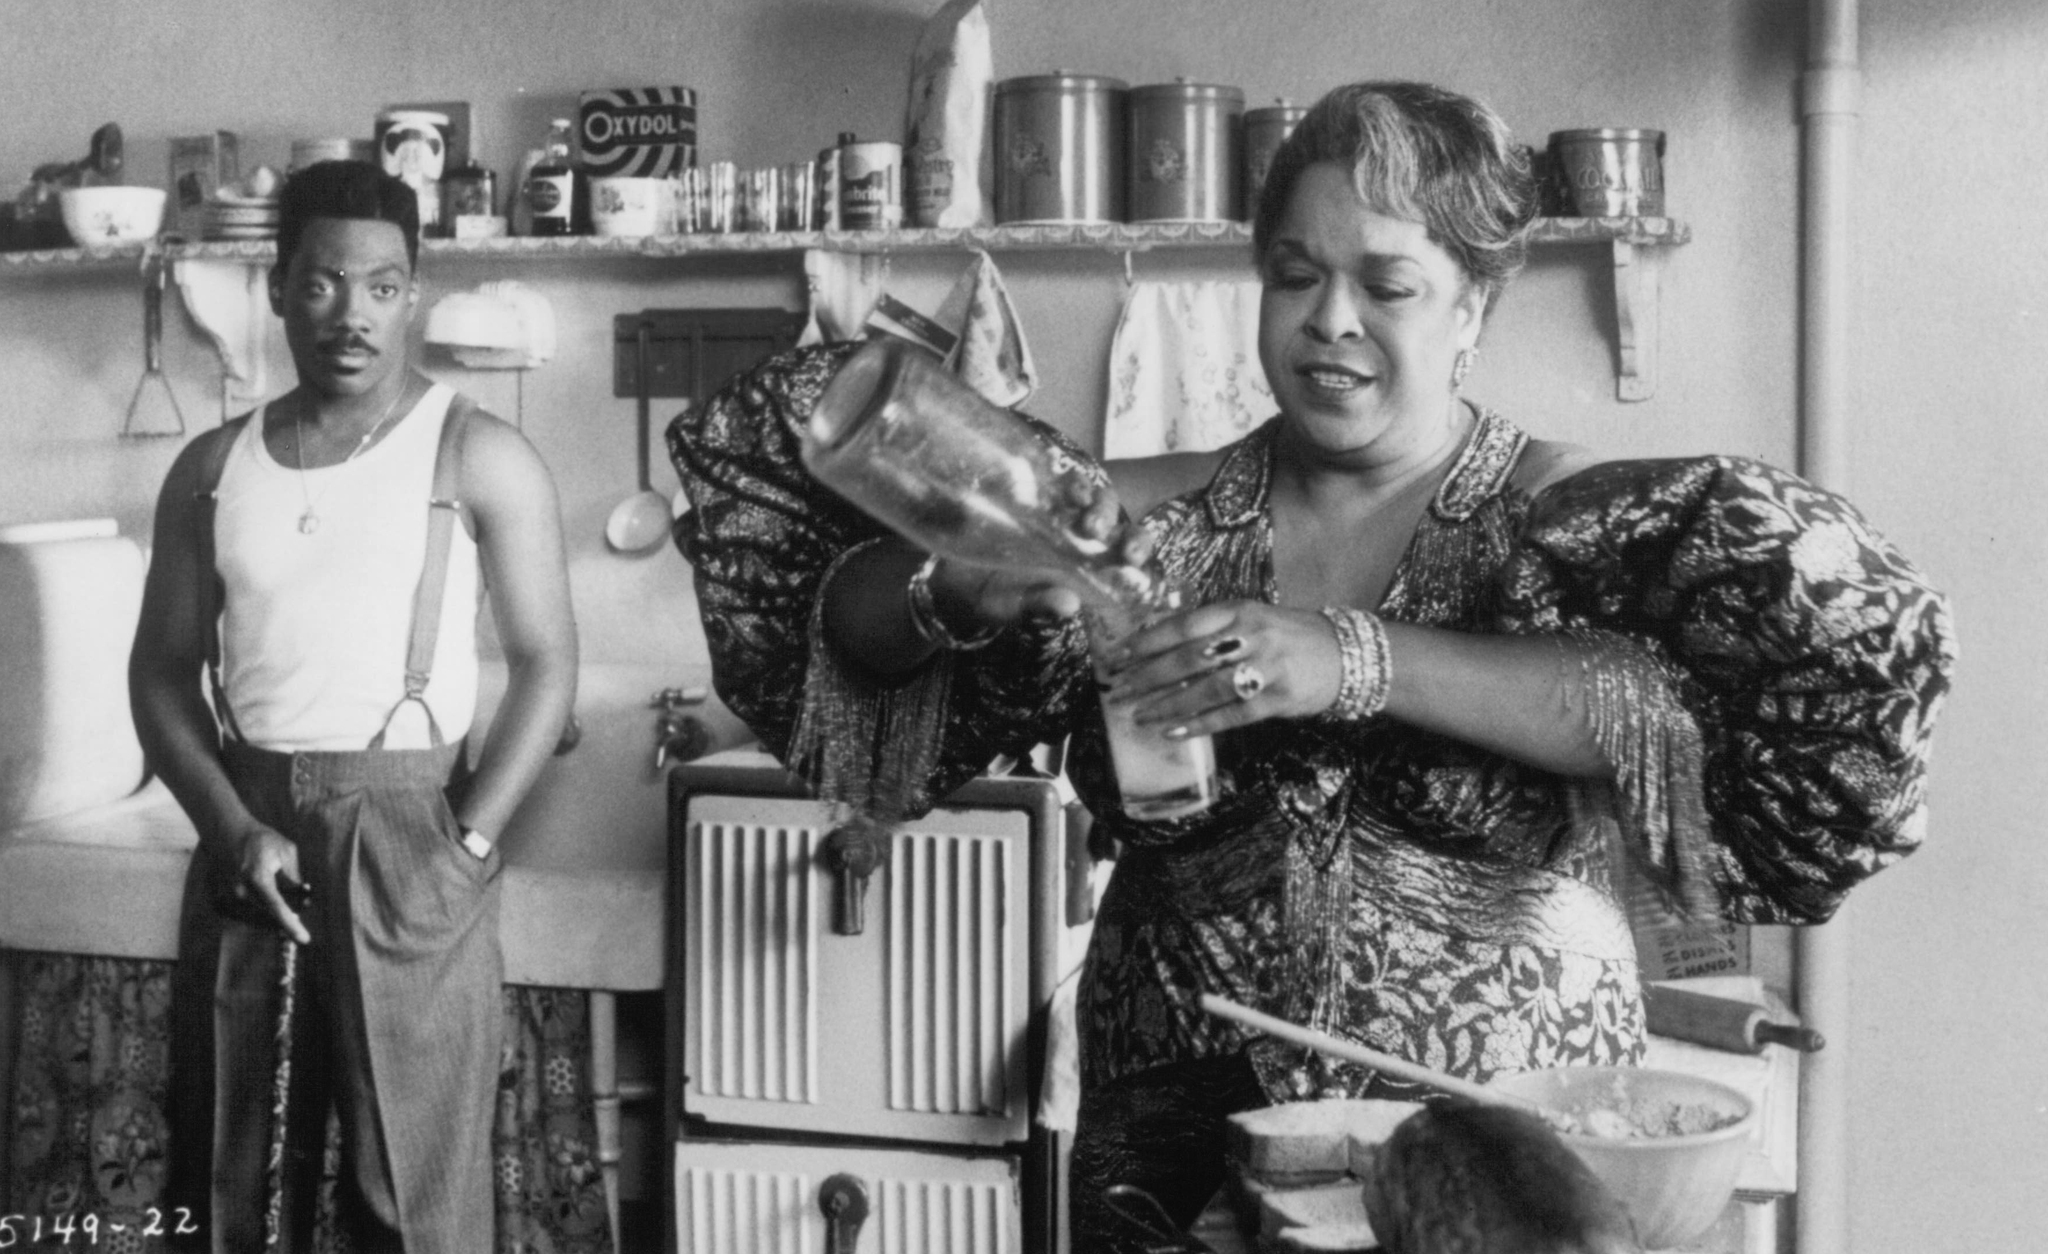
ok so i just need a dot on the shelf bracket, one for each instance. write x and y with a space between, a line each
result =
842 288
1635 315
230 301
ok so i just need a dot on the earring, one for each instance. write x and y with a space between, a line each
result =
1462 367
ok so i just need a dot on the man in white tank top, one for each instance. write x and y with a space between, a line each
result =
327 781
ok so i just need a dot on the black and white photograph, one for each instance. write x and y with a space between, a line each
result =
1022 627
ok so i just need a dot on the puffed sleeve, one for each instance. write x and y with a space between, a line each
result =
762 537
1761 655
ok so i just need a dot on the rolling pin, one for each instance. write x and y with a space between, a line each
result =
1720 1022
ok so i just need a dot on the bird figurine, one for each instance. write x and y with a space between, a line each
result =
1463 1178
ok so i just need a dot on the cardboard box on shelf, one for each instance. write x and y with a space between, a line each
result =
200 164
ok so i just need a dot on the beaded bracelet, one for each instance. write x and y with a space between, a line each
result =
924 615
1368 664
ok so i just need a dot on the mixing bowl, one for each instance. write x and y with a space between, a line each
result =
111 215
1675 1186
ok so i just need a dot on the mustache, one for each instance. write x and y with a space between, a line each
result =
344 343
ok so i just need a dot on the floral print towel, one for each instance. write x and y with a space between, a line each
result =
1184 373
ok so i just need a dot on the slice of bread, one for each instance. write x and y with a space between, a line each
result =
1327 1239
1296 1142
1317 1207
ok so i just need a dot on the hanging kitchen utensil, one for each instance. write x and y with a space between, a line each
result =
152 355
640 522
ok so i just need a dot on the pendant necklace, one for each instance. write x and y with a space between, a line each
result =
309 521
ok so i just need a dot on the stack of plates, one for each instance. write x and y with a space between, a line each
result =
229 216
305 152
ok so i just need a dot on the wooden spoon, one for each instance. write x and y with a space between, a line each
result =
1400 1068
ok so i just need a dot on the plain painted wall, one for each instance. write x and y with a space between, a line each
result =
1950 1111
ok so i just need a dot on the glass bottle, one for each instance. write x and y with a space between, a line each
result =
550 188
925 454
469 192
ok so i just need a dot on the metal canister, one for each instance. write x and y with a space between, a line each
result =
1059 148
470 190
1265 129
1610 172
870 186
1185 141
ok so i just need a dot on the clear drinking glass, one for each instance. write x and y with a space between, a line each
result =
797 208
1158 777
760 197
928 456
718 199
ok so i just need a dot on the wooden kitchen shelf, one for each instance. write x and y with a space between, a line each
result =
1634 245
1111 237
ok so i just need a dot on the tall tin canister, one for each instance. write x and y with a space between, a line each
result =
1265 129
1610 172
870 186
1060 148
1185 145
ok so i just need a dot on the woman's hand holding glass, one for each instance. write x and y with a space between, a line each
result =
1228 664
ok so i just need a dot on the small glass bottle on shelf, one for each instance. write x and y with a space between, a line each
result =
550 190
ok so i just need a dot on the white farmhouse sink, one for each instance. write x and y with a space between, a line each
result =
585 857
586 854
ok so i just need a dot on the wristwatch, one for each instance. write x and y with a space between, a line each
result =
477 843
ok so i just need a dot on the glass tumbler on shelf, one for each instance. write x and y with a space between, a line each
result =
910 443
797 209
718 197
689 199
760 197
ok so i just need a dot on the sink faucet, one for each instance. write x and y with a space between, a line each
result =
679 735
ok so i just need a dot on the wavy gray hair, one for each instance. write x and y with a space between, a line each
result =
1421 153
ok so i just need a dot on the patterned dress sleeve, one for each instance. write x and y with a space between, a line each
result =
762 537
1765 671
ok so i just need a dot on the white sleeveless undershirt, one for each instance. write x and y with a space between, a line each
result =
315 628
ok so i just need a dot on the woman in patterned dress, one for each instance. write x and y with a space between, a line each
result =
1462 681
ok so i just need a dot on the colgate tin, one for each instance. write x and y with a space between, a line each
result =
1184 153
1059 148
638 132
1610 172
870 186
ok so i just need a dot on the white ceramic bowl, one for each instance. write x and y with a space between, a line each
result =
473 320
1675 1187
112 215
632 206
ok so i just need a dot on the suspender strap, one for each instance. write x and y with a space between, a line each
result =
205 499
444 512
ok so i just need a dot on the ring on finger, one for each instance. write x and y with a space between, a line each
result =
1224 650
1247 681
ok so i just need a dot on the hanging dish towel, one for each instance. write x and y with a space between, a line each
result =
1184 373
1059 1090
992 356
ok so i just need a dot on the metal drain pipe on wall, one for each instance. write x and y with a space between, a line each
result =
1831 100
